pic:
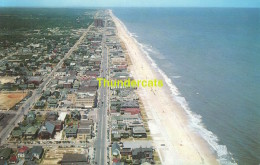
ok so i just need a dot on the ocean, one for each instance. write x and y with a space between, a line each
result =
212 57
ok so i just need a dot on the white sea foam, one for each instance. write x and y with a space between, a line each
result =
196 124
150 50
175 77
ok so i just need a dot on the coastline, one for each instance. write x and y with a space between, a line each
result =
175 142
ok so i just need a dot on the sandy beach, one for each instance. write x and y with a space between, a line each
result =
174 140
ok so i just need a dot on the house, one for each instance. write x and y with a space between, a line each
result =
17 133
83 134
85 129
40 104
116 161
52 116
71 131
132 111
86 124
47 131
126 152
79 159
93 74
141 155
56 94
46 93
31 86
76 85
5 153
37 152
31 116
60 72
23 86
13 159
124 133
36 80
31 132
52 102
75 115
67 85
58 125
130 104
22 151
139 132
118 61
116 137
115 149
29 157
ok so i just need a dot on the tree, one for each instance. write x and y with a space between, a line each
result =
118 107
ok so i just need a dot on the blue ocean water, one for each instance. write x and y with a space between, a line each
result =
212 55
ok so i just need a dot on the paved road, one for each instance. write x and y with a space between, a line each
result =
37 92
101 140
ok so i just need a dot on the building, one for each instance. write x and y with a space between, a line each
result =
75 115
60 72
31 116
58 125
52 102
52 116
47 131
5 153
83 134
37 152
118 61
71 131
22 151
139 132
126 152
31 132
13 159
39 104
141 155
115 149
98 23
17 133
131 111
36 80
83 99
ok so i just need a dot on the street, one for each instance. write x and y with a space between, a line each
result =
101 140
23 110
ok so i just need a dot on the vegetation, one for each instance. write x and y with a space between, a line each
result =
19 24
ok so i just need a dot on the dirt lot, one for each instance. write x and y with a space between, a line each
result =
8 100
53 156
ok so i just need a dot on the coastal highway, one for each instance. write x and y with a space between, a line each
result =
100 144
37 93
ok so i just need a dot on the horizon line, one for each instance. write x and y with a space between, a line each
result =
107 7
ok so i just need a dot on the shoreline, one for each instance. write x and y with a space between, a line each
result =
168 122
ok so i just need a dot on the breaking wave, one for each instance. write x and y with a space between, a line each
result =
195 120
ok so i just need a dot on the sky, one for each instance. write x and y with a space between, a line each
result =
130 3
